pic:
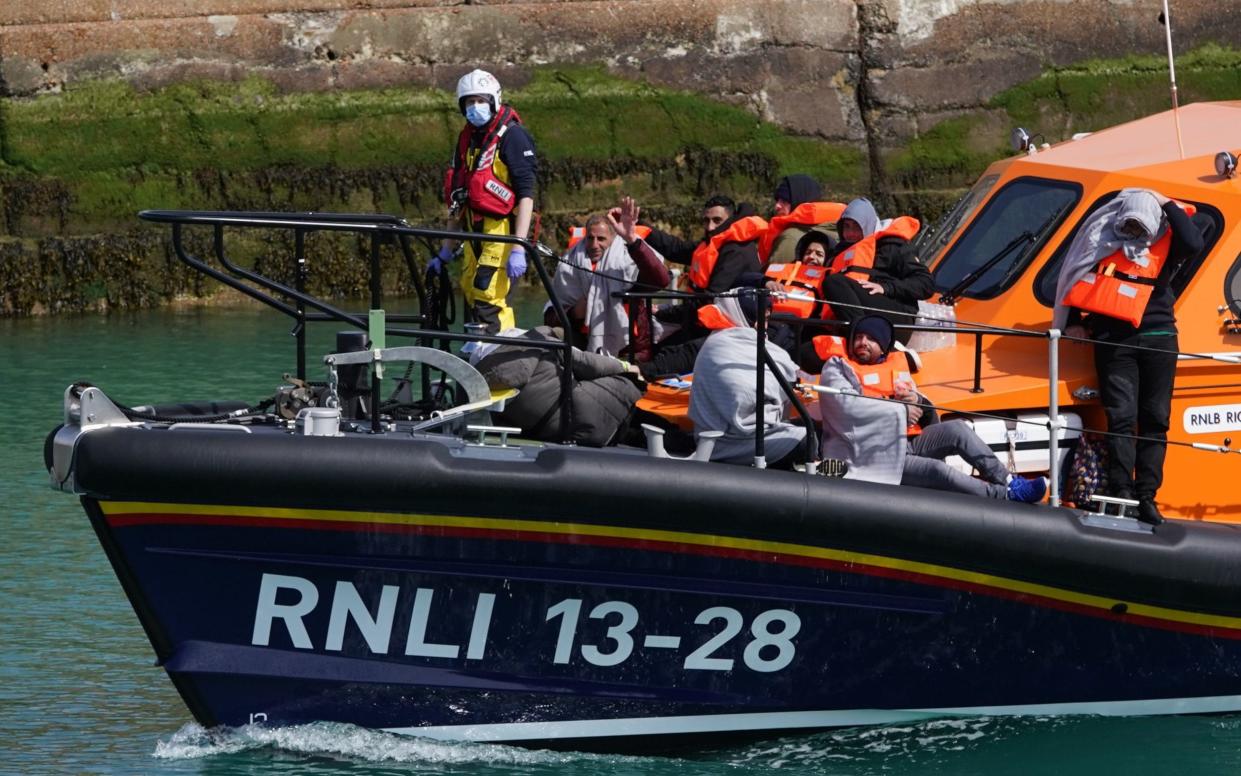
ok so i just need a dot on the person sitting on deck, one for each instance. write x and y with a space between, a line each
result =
800 283
611 258
724 396
603 388
874 436
726 251
798 208
877 268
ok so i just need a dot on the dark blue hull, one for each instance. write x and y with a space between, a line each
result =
572 631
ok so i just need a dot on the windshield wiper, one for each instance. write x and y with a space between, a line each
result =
1034 238
954 293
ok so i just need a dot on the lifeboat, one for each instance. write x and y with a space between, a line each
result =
409 565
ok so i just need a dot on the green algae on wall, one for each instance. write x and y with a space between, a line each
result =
1062 101
117 150
78 165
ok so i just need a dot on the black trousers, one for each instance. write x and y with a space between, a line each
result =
1136 390
841 288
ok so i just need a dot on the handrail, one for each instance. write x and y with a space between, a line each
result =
383 229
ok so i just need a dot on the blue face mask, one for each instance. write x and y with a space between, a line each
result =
478 114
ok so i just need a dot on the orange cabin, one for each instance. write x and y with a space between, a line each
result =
1050 192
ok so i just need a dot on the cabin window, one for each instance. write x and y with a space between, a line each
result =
1007 234
931 243
1208 219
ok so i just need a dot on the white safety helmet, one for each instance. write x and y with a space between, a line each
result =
478 82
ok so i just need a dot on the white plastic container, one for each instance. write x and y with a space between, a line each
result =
319 421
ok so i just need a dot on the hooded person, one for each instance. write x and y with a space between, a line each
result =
1115 286
798 208
874 406
724 396
875 266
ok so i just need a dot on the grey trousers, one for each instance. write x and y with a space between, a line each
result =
925 467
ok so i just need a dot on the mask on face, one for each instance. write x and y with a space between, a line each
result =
478 114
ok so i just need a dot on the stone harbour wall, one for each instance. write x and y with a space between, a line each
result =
111 106
874 72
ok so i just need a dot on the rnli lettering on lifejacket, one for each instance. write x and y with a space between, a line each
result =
476 170
605 634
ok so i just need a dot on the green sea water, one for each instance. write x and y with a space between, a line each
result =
79 692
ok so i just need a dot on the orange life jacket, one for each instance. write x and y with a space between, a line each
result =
1120 287
485 192
578 233
858 259
877 380
713 318
805 214
702 264
797 278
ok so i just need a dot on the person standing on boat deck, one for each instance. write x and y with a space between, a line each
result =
609 259
603 389
873 436
489 190
1118 271
798 208
877 268
724 396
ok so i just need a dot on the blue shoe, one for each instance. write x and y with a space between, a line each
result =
1027 491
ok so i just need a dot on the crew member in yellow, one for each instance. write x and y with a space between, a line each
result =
489 190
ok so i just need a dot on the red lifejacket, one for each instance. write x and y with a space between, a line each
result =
702 264
1119 287
878 380
858 259
578 233
797 278
486 193
805 214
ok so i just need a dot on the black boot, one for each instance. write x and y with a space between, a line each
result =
1149 513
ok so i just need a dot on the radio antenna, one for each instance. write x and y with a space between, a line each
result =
1166 19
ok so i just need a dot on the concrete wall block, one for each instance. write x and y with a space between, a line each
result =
958 85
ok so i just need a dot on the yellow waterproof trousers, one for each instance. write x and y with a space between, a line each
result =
484 279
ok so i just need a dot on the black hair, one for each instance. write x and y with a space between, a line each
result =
720 200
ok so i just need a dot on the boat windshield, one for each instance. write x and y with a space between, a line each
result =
930 244
1030 206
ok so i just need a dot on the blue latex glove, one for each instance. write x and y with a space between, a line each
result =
516 262
439 260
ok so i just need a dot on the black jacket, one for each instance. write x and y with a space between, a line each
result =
602 395
734 260
904 278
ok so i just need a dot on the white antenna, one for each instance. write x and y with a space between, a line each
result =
1176 116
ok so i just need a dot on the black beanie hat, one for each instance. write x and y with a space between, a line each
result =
877 328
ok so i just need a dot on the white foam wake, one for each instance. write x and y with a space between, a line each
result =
351 742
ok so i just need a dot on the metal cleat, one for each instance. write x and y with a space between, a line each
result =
655 444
